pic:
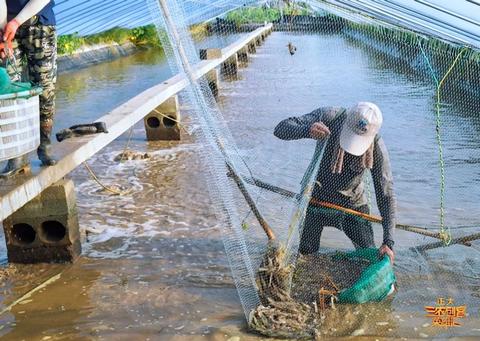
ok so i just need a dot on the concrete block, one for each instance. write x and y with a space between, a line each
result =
210 54
162 124
230 67
212 80
251 47
212 76
242 56
46 229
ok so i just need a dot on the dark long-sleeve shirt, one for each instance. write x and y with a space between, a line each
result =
46 16
346 189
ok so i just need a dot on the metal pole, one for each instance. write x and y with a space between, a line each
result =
474 2
96 20
314 202
460 240
400 20
433 20
446 11
123 19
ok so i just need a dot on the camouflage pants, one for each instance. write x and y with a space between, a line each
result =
35 52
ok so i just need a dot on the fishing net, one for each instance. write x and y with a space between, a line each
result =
302 218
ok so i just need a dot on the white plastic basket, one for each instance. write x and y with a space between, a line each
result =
19 124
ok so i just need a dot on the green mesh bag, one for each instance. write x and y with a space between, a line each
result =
376 281
11 90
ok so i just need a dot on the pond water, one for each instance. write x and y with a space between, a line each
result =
154 265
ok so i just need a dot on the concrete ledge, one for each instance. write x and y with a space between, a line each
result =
73 152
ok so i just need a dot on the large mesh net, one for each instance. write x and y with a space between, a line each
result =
353 136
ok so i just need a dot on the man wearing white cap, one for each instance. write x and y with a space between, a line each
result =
353 147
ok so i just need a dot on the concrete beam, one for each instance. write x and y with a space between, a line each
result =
73 152
235 47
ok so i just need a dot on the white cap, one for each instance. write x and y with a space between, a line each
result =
362 123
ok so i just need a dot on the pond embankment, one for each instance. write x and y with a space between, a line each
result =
94 54
76 52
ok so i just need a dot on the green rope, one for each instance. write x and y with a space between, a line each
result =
445 233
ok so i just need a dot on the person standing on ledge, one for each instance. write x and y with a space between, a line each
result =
353 147
30 34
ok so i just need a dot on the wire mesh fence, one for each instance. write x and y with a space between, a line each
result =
353 133
353 128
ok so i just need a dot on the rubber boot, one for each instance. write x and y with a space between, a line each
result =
81 130
16 166
100 127
64 134
43 150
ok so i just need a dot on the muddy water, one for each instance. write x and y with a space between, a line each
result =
154 266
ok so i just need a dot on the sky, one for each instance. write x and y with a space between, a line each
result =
462 24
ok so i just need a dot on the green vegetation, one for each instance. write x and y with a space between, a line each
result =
68 43
146 35
140 36
258 15
199 31
253 15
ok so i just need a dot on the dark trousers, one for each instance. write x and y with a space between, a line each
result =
357 229
35 49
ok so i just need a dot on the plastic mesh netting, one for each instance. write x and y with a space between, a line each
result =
351 135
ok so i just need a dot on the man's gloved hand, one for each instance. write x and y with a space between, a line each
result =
384 249
319 131
3 55
10 30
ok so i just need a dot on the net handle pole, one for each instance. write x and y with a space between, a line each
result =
375 219
369 217
188 70
460 240
251 203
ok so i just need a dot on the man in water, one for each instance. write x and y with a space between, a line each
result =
30 31
353 146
